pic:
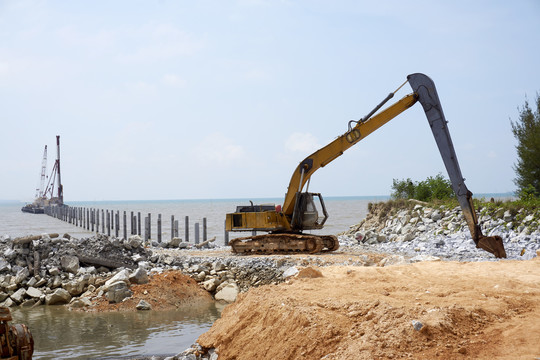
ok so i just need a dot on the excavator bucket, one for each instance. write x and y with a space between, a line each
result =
492 244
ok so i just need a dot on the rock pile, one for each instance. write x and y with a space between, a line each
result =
44 270
443 232
225 277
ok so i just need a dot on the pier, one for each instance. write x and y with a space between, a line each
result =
126 223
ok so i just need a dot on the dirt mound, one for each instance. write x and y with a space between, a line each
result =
426 310
164 291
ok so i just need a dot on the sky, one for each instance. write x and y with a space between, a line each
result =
157 100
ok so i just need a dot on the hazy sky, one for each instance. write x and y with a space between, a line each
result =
223 99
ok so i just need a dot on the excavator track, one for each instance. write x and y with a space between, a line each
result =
284 244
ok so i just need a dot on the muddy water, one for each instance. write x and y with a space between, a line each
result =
62 334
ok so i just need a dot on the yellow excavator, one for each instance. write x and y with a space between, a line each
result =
284 226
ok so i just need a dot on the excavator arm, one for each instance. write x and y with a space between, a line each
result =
426 94
424 87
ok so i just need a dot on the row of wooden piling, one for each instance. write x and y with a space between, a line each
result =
114 222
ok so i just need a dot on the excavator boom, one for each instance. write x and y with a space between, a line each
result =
299 213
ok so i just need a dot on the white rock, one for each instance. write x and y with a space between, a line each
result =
292 271
120 276
228 293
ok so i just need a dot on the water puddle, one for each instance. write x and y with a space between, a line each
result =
62 334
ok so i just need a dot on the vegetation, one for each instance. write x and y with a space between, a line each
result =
527 132
429 190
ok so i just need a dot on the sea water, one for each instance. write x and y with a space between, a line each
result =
343 212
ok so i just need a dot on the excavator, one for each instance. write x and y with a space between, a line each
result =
284 226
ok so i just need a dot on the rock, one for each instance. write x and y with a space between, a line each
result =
292 271
219 266
118 291
417 325
18 296
58 297
228 293
392 260
9 303
34 293
70 263
143 305
139 276
28 302
4 265
175 242
134 241
21 275
54 271
507 216
419 258
210 285
122 275
81 302
408 237
74 287
436 215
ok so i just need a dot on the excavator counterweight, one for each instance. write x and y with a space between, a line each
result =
285 225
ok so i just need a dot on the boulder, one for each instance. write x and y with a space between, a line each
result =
58 297
9 303
135 241
175 242
139 276
228 293
81 302
143 305
292 271
122 275
21 275
4 265
70 263
34 293
18 296
74 287
118 291
210 285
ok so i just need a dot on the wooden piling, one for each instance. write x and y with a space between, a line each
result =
125 225
226 235
196 233
187 228
159 228
204 229
139 224
172 227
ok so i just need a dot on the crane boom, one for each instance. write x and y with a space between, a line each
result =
40 192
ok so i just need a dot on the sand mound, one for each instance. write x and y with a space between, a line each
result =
433 309
164 291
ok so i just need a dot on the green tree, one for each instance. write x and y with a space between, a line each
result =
428 190
527 132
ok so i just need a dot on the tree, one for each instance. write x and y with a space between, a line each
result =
433 188
527 132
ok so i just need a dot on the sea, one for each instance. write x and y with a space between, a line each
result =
343 212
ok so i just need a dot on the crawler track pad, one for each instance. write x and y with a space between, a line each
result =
284 244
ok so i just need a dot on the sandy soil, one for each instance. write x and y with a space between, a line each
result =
483 310
164 291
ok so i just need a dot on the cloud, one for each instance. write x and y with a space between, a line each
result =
302 142
219 150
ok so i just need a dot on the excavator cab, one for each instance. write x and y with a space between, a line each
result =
306 215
